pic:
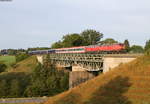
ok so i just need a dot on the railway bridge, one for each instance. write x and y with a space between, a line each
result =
85 66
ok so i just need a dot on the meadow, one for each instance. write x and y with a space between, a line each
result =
8 60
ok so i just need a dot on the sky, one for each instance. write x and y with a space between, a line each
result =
39 23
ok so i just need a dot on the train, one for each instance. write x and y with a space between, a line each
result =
103 49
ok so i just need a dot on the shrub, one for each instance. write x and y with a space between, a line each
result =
21 57
147 52
2 67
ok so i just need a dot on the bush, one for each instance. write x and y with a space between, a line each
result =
147 52
2 67
21 57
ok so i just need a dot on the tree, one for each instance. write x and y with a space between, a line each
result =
136 49
72 40
91 37
2 67
45 81
3 88
64 82
69 40
57 45
87 37
108 41
15 88
147 46
127 45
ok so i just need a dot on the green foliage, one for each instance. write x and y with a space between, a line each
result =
64 81
13 84
3 88
136 49
47 81
15 88
8 60
69 40
91 37
57 45
72 40
147 52
108 41
147 46
2 67
87 37
12 51
21 57
127 45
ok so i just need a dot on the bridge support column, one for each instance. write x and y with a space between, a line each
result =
78 76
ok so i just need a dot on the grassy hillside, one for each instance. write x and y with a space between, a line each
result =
127 84
8 60
26 65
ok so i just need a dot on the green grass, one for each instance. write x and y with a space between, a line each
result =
26 65
8 60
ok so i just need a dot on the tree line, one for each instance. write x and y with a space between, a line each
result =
20 51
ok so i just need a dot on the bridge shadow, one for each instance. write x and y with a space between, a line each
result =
112 92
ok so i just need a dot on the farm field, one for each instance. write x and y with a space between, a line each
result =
8 60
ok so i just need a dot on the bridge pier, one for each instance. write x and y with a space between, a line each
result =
78 77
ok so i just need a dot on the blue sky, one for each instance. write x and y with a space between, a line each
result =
37 23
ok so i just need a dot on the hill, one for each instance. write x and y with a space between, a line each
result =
126 84
26 65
